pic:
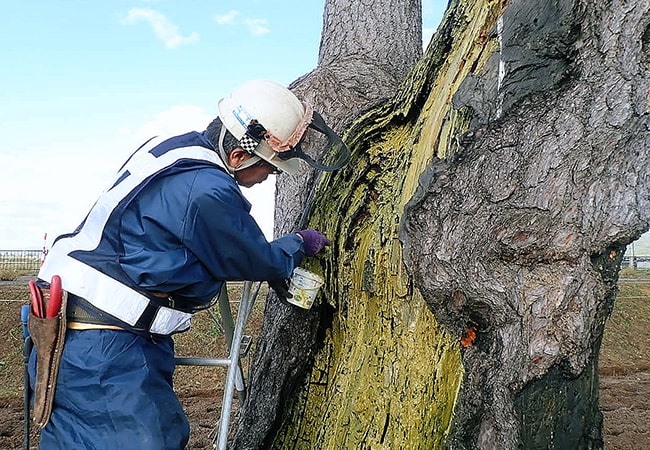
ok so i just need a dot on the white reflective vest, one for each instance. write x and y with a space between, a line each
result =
100 290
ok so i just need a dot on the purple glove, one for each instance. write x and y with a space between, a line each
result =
314 241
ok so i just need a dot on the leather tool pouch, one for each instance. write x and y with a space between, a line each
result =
48 336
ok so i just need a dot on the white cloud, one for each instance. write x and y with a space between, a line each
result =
257 27
165 30
55 194
58 187
226 19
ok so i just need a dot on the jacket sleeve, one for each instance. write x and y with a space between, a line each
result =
223 235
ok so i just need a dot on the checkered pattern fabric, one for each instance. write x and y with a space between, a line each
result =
248 143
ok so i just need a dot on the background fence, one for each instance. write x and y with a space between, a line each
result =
21 260
30 260
636 262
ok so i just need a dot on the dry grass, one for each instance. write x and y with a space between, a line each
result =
625 349
626 343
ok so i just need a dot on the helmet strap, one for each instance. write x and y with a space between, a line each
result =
222 153
224 156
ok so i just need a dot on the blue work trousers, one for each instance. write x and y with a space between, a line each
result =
114 391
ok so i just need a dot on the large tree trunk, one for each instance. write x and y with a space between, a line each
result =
366 50
525 127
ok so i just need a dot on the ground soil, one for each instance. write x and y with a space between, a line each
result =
624 368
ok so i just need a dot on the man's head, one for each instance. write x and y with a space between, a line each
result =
259 109
271 123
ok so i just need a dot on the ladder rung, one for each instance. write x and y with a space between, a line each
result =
196 361
244 348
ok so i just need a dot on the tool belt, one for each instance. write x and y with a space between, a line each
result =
80 319
143 322
48 335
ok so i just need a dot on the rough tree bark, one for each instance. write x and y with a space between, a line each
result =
513 166
527 224
366 50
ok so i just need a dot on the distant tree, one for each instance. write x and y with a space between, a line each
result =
478 230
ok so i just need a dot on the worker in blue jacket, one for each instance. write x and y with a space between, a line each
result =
155 248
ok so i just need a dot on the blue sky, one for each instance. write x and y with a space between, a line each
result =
84 83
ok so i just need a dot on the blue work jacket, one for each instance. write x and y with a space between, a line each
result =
182 230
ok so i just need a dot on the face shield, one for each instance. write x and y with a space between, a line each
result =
312 141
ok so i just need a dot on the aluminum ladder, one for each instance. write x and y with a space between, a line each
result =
235 340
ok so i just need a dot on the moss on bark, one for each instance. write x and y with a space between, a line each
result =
388 375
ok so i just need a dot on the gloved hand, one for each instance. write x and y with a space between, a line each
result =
314 241
281 287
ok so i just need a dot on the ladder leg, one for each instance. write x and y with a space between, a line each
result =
234 369
229 326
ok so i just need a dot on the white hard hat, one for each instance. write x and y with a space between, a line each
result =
273 106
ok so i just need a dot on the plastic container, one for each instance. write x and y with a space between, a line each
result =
304 287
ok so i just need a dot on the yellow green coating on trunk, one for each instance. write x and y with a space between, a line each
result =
388 375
